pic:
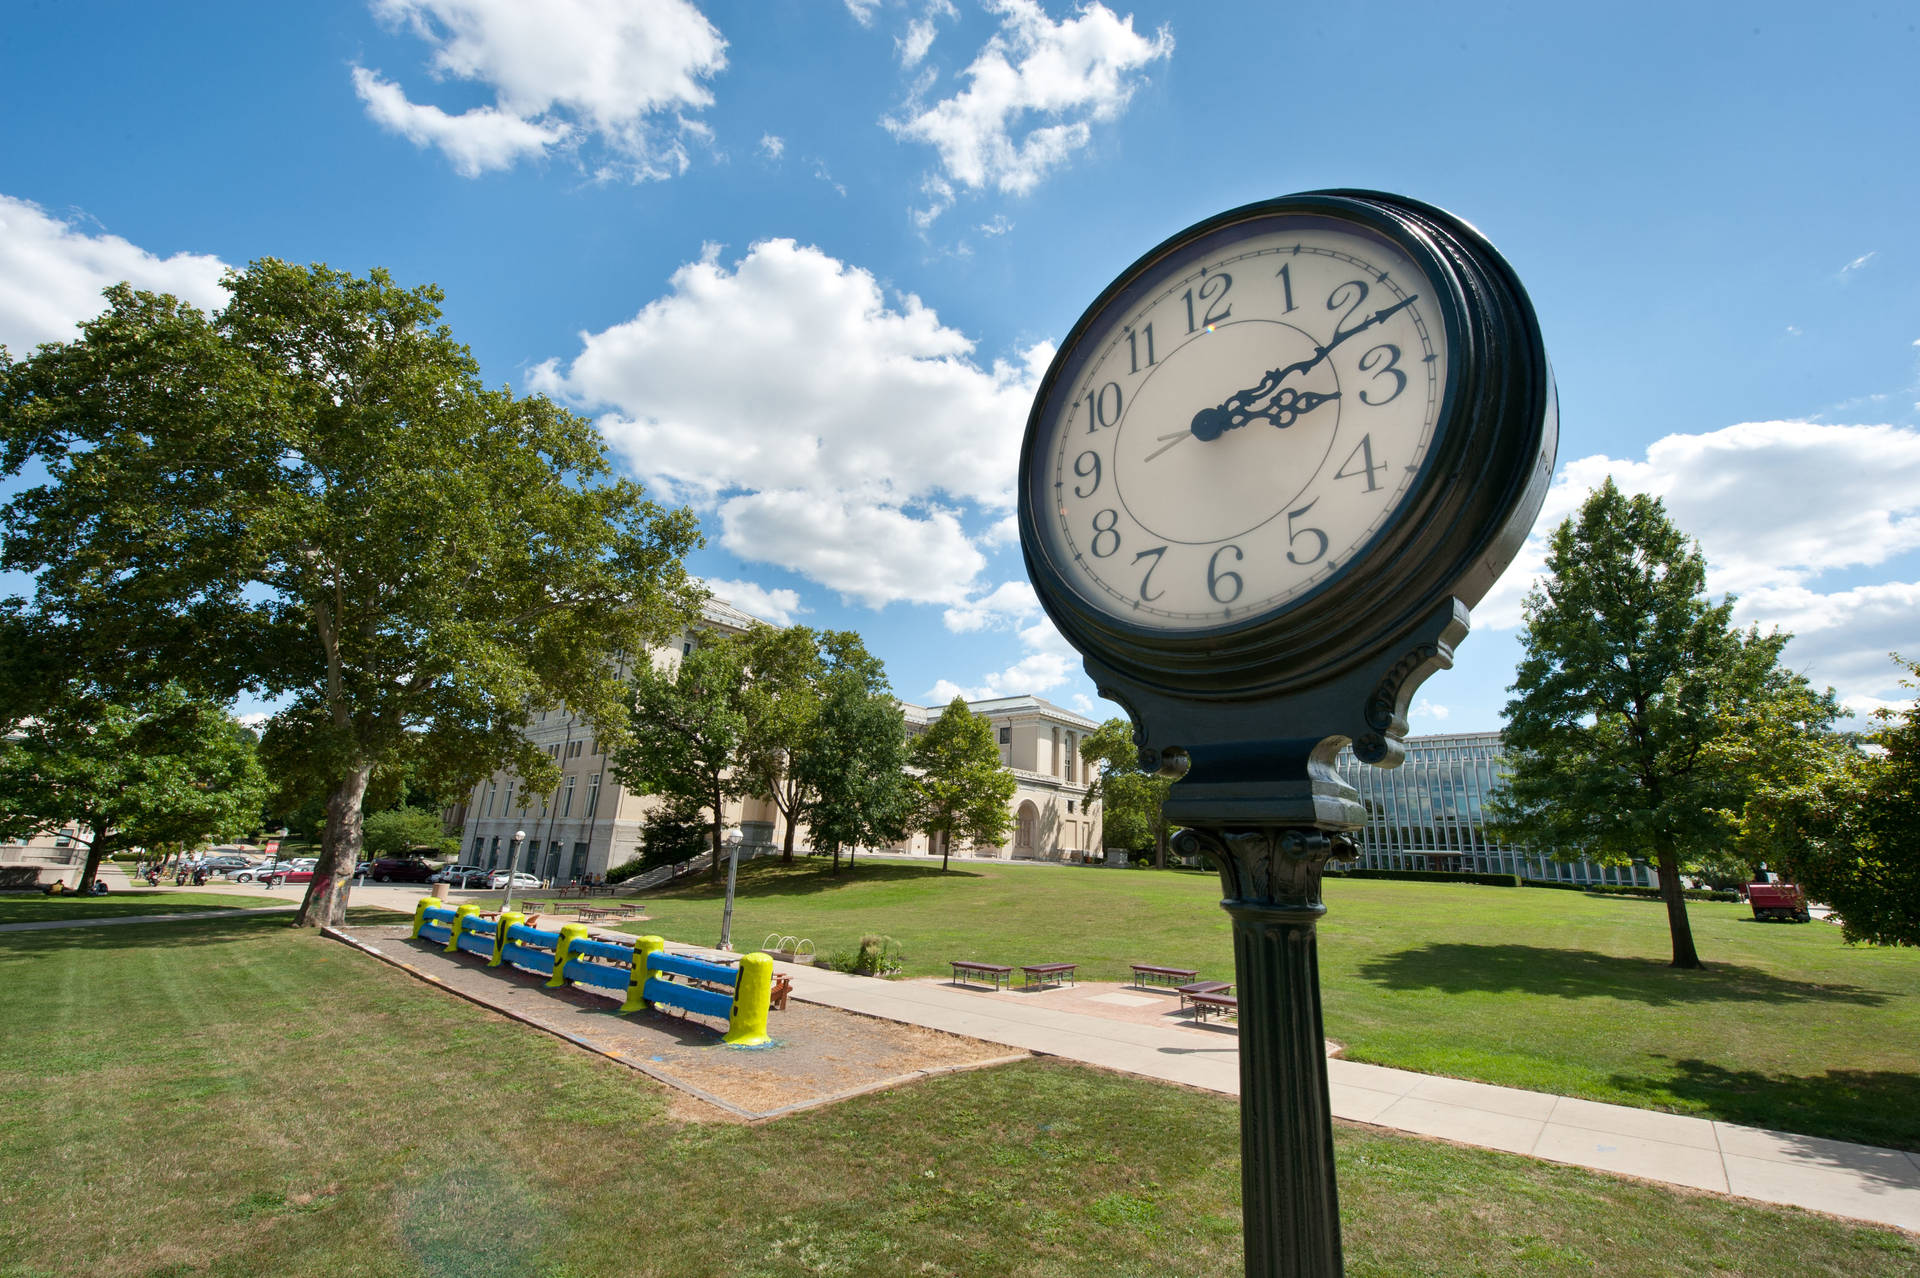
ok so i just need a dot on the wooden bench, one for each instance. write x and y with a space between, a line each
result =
1153 973
1224 1004
964 971
1049 973
1203 987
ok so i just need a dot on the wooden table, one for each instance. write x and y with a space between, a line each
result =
1049 973
964 971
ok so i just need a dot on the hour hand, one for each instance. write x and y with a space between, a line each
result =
1286 406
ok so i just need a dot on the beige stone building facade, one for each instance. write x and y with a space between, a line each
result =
590 823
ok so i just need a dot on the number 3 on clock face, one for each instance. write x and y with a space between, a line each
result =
1243 425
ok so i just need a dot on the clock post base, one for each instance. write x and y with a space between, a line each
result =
1290 1202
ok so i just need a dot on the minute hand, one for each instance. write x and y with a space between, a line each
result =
1238 409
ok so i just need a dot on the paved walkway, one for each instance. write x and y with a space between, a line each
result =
1858 1181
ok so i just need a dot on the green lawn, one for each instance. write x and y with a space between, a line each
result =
232 1097
35 907
1556 991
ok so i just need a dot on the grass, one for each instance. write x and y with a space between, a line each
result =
232 1097
37 907
1787 1027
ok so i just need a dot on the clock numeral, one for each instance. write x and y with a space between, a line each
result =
1335 301
1295 534
1155 554
1213 297
1107 530
1368 465
1080 470
1098 414
1286 283
1216 579
1379 370
1133 346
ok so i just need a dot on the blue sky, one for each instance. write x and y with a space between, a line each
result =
805 261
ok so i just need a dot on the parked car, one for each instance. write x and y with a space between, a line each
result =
520 880
463 876
261 872
399 869
228 863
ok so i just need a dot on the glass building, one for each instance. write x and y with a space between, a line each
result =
1430 814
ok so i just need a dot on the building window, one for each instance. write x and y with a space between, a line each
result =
1006 735
479 842
1072 757
593 796
566 799
686 649
506 805
1069 807
490 793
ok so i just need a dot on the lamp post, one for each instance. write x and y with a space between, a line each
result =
733 838
513 861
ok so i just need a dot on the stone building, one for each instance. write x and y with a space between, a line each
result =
590 823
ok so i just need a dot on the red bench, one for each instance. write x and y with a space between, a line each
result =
1153 973
1203 987
1202 1002
994 972
1049 973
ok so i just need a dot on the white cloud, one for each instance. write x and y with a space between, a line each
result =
52 273
476 141
876 554
779 605
996 225
920 32
840 433
862 11
772 147
1049 662
1010 602
1775 506
626 73
1033 94
1858 263
1425 709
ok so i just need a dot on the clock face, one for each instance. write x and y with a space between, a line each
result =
1241 423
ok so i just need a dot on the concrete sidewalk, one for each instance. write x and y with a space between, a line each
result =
1857 1181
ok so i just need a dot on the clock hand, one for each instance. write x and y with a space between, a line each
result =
1287 405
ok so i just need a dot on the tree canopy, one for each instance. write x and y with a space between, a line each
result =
311 495
1132 812
1845 825
1630 683
962 791
686 730
156 770
850 764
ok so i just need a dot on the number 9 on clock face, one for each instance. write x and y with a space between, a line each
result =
1240 423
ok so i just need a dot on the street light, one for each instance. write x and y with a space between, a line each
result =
733 838
513 861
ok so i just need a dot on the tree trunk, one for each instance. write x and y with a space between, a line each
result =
1160 845
719 815
325 904
836 860
1684 955
946 850
786 850
96 853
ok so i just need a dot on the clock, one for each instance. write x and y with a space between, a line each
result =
1277 442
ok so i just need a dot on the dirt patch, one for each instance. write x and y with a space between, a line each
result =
818 1054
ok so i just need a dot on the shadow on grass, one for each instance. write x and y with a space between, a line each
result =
171 934
1537 969
1873 1107
807 876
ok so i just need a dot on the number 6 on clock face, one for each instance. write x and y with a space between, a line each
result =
1242 425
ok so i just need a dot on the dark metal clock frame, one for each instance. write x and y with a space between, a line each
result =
1249 714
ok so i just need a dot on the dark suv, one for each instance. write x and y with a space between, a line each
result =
399 869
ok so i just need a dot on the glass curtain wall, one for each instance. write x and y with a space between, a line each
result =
1430 814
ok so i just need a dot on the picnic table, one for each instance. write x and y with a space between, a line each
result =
965 970
1049 973
1203 1002
1153 973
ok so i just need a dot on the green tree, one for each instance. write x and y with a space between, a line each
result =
155 769
1847 828
850 764
311 494
962 790
1629 682
398 831
1132 813
787 674
687 726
